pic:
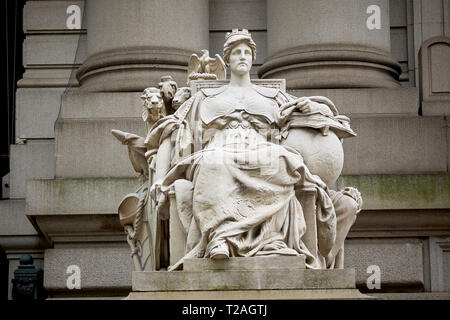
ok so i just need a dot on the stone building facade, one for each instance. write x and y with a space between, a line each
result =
383 62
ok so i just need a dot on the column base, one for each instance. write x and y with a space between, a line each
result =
333 66
132 69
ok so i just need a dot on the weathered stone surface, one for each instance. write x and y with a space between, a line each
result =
47 15
106 157
37 111
335 23
383 192
101 105
226 15
77 196
51 77
396 145
400 261
59 49
401 223
250 263
439 264
35 159
243 279
101 268
78 211
434 59
14 221
369 102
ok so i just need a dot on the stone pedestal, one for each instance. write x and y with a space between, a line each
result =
327 44
272 277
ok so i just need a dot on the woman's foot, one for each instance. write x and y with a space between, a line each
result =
220 252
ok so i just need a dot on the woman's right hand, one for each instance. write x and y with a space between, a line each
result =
155 191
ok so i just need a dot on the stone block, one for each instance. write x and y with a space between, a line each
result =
243 280
13 219
397 13
392 192
248 14
35 159
101 269
86 148
101 105
400 262
399 44
250 263
434 59
58 49
369 101
47 15
77 196
396 145
36 112
78 212
440 264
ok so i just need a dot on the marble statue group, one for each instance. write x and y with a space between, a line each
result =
236 168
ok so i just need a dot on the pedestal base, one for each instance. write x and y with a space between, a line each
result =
267 278
316 294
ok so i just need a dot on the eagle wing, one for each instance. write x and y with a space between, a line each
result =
194 62
217 66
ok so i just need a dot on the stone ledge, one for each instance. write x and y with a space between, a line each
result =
77 196
412 296
223 280
396 145
341 294
250 263
78 210
401 223
396 191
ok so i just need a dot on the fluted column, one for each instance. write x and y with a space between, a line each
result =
132 43
327 44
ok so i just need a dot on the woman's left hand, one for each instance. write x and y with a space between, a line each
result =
308 106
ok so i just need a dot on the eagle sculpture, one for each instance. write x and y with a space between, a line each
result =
205 67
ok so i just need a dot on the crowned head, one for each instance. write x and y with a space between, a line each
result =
234 38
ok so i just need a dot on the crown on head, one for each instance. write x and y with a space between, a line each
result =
236 32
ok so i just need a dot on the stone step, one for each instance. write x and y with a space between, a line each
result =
212 280
315 294
250 263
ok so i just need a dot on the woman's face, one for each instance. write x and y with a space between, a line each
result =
241 59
